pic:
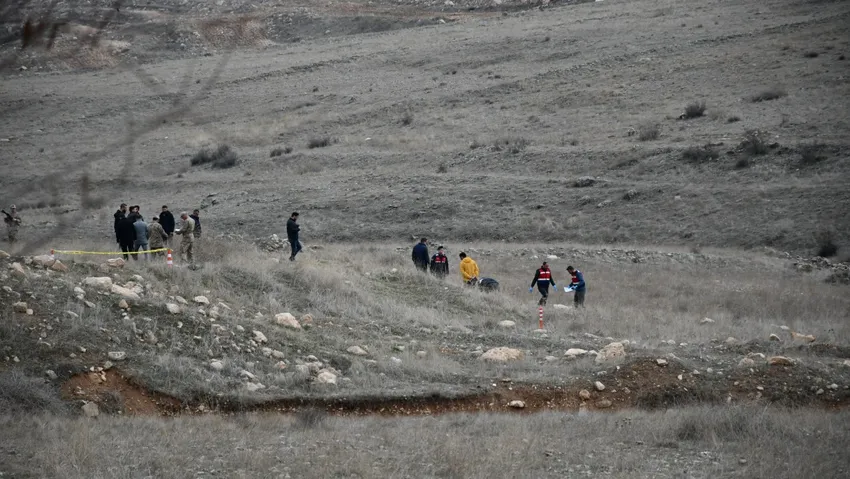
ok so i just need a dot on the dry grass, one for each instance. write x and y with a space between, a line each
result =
707 442
232 32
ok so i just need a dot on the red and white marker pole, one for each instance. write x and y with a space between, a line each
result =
168 260
540 317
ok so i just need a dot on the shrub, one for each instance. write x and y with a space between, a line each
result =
826 244
407 119
694 110
648 132
755 142
280 151
811 54
769 94
733 119
811 153
742 163
512 145
442 168
20 393
221 157
319 142
700 154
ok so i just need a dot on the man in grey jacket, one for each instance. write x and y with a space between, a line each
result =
141 236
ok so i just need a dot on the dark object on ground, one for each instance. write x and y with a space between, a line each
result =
488 284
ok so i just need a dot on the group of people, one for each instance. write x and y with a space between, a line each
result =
469 272
135 236
13 223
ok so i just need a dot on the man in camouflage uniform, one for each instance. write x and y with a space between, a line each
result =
187 232
13 223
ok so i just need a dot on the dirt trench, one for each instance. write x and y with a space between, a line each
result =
639 384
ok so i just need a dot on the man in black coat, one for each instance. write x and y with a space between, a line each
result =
126 231
119 215
166 219
420 255
292 230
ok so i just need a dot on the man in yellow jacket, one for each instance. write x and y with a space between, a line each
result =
468 269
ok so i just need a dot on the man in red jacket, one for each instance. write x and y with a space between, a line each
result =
542 278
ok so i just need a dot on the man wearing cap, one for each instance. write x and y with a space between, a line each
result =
13 223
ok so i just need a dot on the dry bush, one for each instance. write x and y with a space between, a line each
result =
827 247
700 154
319 142
442 168
768 94
513 145
280 151
230 32
220 157
407 118
811 54
811 153
694 110
755 142
648 131
733 119
20 393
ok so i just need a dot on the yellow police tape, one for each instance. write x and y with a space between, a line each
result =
109 252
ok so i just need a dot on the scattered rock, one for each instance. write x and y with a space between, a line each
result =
573 352
561 306
181 300
20 307
661 362
102 283
307 320
43 261
584 182
599 386
247 375
706 321
502 354
4 255
421 354
326 377
832 387
116 263
280 365
584 394
201 300
18 270
117 355
507 324
780 361
172 308
123 304
551 256
603 404
150 337
846 363
260 337
774 337
395 360
287 320
517 404
807 338
357 351
125 293
612 353
90 409
51 375
217 365
785 328
746 363
60 267
254 387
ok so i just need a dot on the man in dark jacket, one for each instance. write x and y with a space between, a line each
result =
126 236
166 219
420 255
440 264
119 215
543 278
292 230
196 217
577 284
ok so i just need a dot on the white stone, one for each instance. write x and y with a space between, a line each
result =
117 355
181 300
707 321
253 387
785 328
287 320
661 362
610 354
20 307
551 256
326 377
172 308
51 375
584 394
746 363
357 351
395 360
217 365
502 354
507 324
599 386
125 293
201 300
44 261
78 291
260 337
90 409
561 306
115 263
102 283
247 374
731 341
573 352
421 354
517 404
